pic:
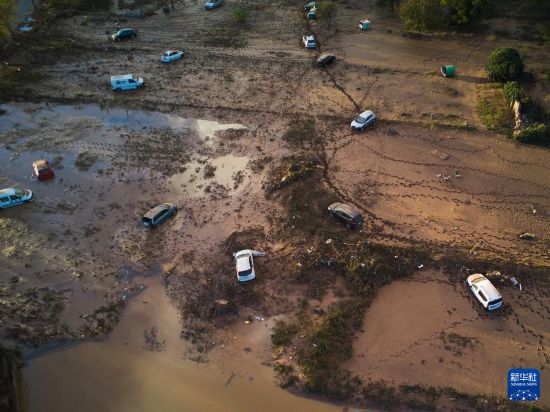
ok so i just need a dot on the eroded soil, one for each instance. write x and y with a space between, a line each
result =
210 132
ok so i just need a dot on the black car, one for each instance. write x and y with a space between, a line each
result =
158 215
325 59
124 34
347 214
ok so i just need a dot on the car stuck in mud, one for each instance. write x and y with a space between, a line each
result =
246 145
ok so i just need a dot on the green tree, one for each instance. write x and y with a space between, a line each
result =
504 64
7 10
512 91
421 15
326 11
391 3
466 12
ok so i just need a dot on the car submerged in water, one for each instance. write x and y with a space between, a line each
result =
12 197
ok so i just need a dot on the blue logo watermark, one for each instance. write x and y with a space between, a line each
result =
524 385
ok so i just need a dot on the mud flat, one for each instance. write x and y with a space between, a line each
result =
124 373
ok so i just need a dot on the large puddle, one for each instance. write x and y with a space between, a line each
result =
28 117
142 367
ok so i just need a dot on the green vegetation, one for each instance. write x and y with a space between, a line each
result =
283 333
7 10
538 134
504 64
494 112
10 378
466 12
512 91
326 11
240 15
328 344
421 15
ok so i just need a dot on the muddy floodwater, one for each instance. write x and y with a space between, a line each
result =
123 374
122 161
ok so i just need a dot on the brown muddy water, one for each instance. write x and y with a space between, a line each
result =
143 365
123 374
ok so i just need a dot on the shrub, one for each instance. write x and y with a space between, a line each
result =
326 11
421 15
538 134
240 15
466 12
504 64
512 91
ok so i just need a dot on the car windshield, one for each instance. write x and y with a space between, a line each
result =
495 302
19 192
245 272
479 279
360 119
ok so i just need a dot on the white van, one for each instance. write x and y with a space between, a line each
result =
484 291
12 197
126 82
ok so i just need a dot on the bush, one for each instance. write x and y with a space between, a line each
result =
326 11
421 15
512 91
240 15
538 134
504 64
466 12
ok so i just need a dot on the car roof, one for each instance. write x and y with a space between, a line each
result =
309 37
243 261
122 77
347 208
486 286
41 163
325 56
154 210
367 113
8 191
124 29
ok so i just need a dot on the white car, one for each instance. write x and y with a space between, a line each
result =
244 261
171 55
126 82
309 42
484 291
363 120
11 197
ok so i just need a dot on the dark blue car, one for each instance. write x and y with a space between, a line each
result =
158 215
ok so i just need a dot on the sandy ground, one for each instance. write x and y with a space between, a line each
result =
428 330
427 173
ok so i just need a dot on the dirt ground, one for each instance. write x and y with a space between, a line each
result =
207 134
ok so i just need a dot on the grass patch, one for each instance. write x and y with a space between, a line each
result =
291 170
495 113
283 333
300 131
